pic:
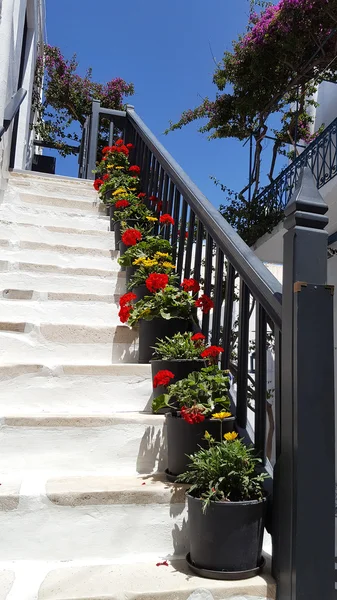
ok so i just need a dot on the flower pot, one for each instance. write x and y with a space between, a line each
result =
110 212
141 291
130 271
227 537
179 367
150 331
185 438
118 233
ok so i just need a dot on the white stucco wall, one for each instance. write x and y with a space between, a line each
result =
12 20
327 100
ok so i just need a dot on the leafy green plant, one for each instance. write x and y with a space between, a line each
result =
224 472
136 210
147 248
179 346
168 303
142 273
204 391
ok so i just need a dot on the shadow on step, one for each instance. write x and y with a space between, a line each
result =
152 454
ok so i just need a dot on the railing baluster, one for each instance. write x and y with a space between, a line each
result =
243 345
176 213
260 381
165 192
278 389
198 250
228 316
168 229
182 228
218 296
111 133
154 190
189 245
207 281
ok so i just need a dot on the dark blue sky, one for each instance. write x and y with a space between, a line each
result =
164 49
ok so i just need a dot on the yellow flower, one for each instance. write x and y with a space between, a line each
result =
161 254
222 415
148 262
120 190
139 261
119 167
168 265
132 189
230 437
110 166
152 219
207 435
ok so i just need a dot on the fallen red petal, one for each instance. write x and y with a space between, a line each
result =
162 564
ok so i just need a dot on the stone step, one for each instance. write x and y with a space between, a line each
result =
33 234
91 517
50 283
59 269
120 443
45 256
32 181
75 389
53 216
139 578
91 204
15 246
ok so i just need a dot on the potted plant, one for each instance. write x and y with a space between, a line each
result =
167 311
226 509
198 403
139 280
178 354
147 248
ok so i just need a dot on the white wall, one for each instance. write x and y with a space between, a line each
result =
13 13
327 100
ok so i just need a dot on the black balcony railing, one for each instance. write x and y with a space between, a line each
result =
320 156
247 299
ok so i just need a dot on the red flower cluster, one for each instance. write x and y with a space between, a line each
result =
159 205
141 195
98 183
106 177
156 282
192 415
119 142
130 237
130 146
134 169
153 199
166 219
122 204
125 306
212 352
205 303
105 150
163 378
190 285
198 337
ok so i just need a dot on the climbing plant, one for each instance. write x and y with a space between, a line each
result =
274 68
66 100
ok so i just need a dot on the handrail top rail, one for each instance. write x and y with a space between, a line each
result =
262 283
11 109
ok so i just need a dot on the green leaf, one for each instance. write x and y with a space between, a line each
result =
160 402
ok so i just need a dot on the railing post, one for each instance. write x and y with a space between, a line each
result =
92 154
304 482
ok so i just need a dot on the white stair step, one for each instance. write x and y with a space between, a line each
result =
55 283
145 581
65 219
41 257
59 248
54 313
51 184
123 444
75 389
34 234
91 517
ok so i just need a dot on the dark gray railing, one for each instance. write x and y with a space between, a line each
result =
12 110
248 297
320 156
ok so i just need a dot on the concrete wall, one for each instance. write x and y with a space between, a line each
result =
13 14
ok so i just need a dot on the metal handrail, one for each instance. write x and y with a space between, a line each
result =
320 155
12 109
258 278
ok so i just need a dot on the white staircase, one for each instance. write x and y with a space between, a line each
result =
85 512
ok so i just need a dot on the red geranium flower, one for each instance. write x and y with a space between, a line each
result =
212 352
122 204
192 415
186 234
141 195
156 282
159 205
166 219
106 177
97 184
105 150
205 303
119 142
127 298
124 313
162 378
153 198
130 237
104 158
113 149
124 150
190 285
134 169
198 337
130 146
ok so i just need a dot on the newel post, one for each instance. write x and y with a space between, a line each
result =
93 138
304 481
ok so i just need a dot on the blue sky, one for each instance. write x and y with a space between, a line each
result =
164 49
